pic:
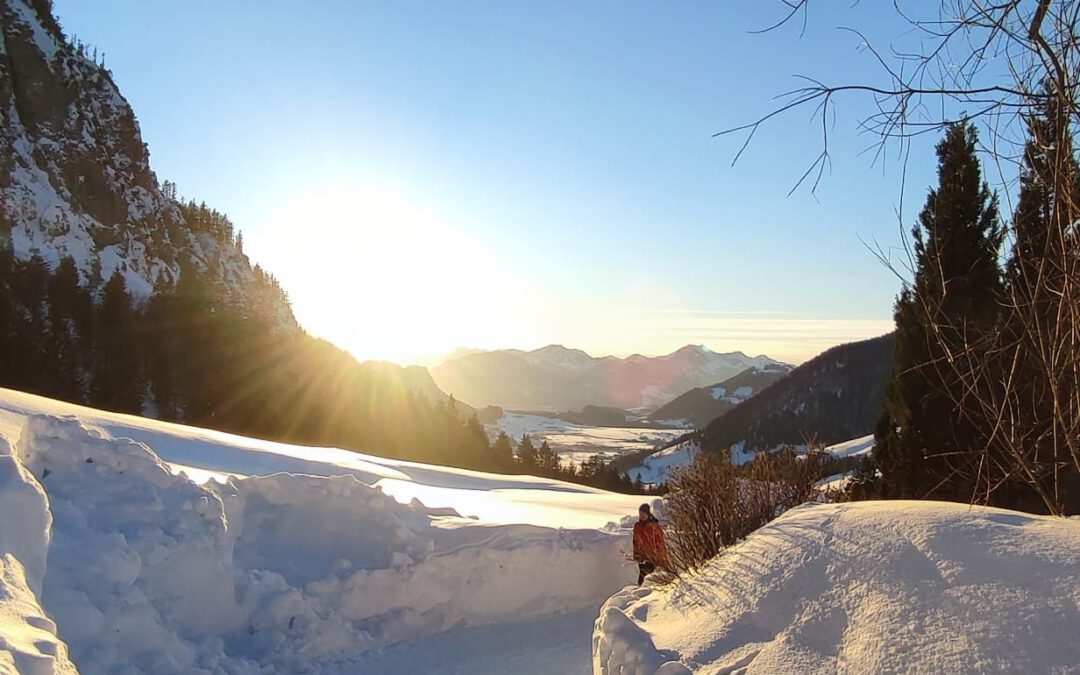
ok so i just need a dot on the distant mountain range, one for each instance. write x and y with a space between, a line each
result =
835 396
702 405
558 378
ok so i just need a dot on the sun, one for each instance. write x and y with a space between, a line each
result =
374 271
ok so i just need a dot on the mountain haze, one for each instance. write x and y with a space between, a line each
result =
558 378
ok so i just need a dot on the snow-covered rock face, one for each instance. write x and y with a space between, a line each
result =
868 587
147 572
75 178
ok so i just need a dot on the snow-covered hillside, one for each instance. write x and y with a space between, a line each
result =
871 587
75 177
702 405
657 467
338 570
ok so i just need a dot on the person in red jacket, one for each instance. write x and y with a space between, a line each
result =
650 549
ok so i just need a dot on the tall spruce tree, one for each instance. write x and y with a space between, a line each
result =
526 454
503 451
71 311
117 379
927 445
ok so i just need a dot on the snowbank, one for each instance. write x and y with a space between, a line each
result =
863 587
28 641
204 454
145 571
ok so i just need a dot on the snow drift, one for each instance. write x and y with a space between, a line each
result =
145 571
863 587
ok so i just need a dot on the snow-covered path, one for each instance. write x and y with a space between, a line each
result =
559 643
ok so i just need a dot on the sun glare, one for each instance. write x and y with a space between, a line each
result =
381 274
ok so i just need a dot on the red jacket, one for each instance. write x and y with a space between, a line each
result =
649 544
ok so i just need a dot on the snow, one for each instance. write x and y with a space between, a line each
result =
41 39
28 642
738 396
863 587
836 481
318 570
856 447
577 443
203 454
657 468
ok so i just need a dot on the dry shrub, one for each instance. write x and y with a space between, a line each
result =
714 504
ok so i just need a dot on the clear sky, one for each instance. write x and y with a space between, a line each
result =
427 175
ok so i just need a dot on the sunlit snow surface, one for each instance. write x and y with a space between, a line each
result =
577 443
203 454
864 587
310 560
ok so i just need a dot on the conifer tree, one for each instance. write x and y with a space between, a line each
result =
503 451
527 455
1041 322
926 444
547 460
117 381
71 311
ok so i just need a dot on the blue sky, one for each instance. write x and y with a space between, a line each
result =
422 176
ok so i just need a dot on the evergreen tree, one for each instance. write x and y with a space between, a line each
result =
1042 318
503 451
71 312
117 380
547 460
527 455
926 447
30 370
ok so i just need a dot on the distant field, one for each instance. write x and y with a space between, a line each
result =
577 443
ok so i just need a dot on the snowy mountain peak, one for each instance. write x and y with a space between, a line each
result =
560 357
559 378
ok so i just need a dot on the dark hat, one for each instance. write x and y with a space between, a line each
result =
645 508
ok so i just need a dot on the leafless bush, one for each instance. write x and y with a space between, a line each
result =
714 504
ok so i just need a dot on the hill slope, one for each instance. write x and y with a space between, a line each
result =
557 378
868 587
704 404
116 293
835 396
75 177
